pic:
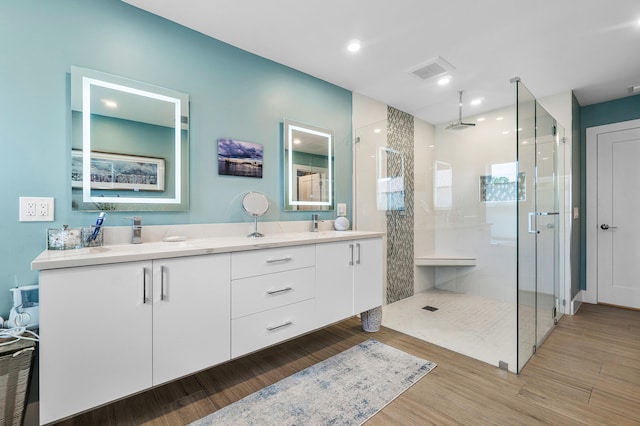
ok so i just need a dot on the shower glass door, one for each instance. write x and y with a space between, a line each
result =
370 144
539 213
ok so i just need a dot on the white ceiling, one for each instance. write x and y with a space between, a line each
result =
589 46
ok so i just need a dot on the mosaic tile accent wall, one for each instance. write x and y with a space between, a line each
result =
400 222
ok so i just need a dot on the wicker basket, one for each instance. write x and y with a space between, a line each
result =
15 370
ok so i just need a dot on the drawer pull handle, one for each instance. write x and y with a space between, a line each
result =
282 259
279 326
282 290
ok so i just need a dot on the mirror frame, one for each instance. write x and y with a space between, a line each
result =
289 201
85 79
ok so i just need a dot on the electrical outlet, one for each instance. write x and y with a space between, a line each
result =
36 209
31 208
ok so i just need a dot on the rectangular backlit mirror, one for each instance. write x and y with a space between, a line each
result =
129 144
308 167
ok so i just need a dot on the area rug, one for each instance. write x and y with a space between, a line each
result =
346 389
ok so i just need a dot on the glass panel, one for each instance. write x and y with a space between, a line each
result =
526 125
548 216
370 152
371 142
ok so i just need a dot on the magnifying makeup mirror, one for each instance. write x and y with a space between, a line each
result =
255 204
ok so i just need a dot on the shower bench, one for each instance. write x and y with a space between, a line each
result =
444 260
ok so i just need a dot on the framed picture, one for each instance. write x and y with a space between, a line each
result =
237 158
119 171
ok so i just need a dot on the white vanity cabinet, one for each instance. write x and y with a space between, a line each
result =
272 296
118 320
348 278
108 331
190 315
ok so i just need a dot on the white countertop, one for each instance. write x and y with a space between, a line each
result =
54 259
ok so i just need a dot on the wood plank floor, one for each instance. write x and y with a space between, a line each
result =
587 372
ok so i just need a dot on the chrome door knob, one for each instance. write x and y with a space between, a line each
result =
604 226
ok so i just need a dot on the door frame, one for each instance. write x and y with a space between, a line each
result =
590 295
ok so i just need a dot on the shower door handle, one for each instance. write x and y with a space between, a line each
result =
532 214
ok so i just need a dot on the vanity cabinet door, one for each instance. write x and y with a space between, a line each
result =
367 280
334 281
95 345
348 279
191 315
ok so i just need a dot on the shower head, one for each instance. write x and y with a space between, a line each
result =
459 125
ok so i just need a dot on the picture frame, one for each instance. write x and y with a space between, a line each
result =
119 172
238 158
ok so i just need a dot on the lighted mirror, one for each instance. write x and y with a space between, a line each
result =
129 144
308 167
390 180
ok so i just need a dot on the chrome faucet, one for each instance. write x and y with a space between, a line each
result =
136 230
314 223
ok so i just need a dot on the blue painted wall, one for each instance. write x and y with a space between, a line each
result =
615 111
233 94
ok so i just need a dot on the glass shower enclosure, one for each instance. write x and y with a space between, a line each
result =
492 193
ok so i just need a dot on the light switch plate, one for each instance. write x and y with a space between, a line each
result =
36 209
342 209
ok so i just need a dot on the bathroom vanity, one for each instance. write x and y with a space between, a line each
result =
116 320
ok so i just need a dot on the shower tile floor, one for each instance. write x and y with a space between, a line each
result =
481 328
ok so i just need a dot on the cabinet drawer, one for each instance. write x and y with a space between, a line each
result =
267 261
263 329
264 292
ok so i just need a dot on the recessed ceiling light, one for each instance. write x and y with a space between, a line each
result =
477 101
377 130
443 81
109 103
505 132
354 45
480 119
499 118
296 141
431 146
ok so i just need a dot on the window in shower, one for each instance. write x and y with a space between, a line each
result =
443 186
503 184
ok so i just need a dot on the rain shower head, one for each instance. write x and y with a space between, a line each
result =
459 125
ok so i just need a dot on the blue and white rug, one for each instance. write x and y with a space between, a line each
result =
346 389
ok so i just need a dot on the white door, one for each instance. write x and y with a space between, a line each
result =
618 207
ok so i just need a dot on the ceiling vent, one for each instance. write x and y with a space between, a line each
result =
432 68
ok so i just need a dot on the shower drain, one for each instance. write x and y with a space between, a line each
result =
430 308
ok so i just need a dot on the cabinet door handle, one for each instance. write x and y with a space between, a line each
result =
275 327
358 258
282 290
351 258
144 285
282 259
162 296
